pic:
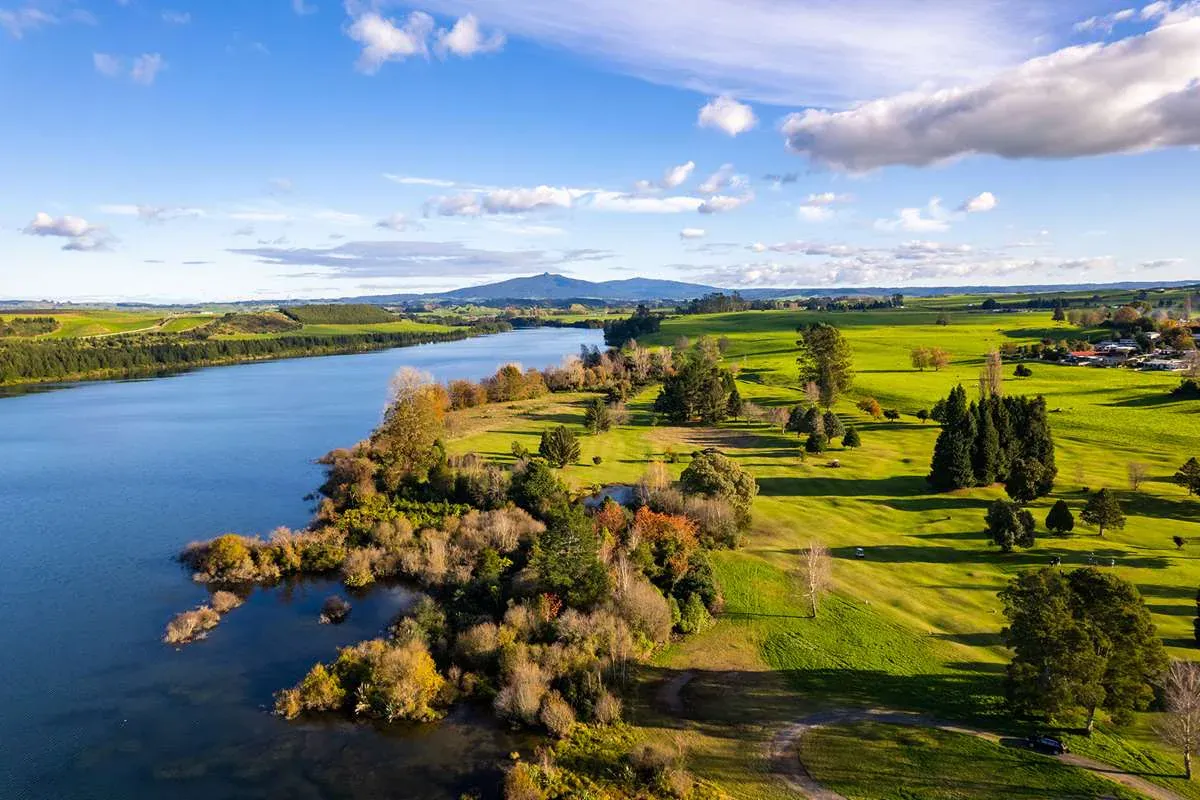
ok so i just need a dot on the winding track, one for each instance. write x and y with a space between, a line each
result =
785 761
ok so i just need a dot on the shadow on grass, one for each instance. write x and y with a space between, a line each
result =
828 486
1039 557
1179 610
937 502
982 639
1153 401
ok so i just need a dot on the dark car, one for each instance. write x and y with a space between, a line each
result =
1044 744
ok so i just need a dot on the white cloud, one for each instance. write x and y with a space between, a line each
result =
637 204
728 115
383 40
33 16
805 52
176 17
1160 263
914 220
724 178
814 213
984 201
827 199
719 204
338 217
395 222
1106 22
465 39
107 65
81 235
692 233
502 201
303 8
678 175
409 180
152 214
146 68
1139 93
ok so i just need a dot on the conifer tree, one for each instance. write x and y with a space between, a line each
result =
951 466
851 438
985 451
832 424
1060 519
1103 511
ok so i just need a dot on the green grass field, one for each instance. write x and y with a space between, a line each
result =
916 624
870 761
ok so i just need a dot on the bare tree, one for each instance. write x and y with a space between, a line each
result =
991 378
778 417
1137 474
816 572
1180 725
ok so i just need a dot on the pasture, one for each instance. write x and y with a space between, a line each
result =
915 625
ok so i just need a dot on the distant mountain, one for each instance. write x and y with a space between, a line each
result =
560 287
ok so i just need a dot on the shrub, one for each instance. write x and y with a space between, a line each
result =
597 460
521 784
716 475
189 626
391 681
716 520
478 645
334 610
645 609
1023 371
695 616
520 699
557 714
358 568
607 710
223 602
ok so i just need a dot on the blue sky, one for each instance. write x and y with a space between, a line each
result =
188 151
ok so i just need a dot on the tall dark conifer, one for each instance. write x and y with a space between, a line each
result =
951 467
985 452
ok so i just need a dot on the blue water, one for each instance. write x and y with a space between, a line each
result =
101 484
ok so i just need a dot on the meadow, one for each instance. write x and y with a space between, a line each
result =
915 625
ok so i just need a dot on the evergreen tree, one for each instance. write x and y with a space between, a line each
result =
814 422
1009 525
825 359
1059 316
951 466
735 406
1188 476
1196 621
795 422
597 418
566 558
1001 422
851 438
816 443
1037 444
985 451
1024 480
1103 511
832 425
1060 519
559 446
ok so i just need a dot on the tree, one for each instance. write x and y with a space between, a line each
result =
1058 315
939 359
598 417
1060 519
891 414
1180 726
1188 476
816 443
1009 525
566 558
816 571
698 388
951 466
716 475
832 425
1196 621
826 360
1081 641
735 406
1103 511
413 423
1178 541
871 407
1023 371
921 358
559 446
923 415
991 377
1023 480
851 439
943 318
985 450
1137 474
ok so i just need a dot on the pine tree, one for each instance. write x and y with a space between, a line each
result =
998 408
795 422
985 451
1060 519
735 406
1039 443
816 443
1009 525
951 465
833 425
851 438
813 421
1188 476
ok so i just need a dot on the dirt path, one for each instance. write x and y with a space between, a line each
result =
667 695
785 762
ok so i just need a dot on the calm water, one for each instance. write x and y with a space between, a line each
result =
100 486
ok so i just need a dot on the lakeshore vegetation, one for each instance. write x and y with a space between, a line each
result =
967 526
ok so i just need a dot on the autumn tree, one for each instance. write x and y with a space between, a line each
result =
1103 511
816 571
1180 725
921 358
407 441
825 359
870 406
1137 474
939 359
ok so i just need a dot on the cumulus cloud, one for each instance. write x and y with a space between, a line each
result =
1140 93
817 207
82 235
726 114
502 201
692 233
677 175
465 39
932 218
384 40
415 259
811 213
984 201
720 203
724 178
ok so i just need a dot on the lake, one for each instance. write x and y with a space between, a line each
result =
101 485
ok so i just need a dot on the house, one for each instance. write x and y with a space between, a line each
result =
1163 365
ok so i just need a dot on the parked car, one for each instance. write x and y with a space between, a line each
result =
1044 744
860 553
1056 561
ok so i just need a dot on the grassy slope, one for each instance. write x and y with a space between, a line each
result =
915 624
74 324
869 761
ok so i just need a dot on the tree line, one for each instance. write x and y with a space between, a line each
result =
28 326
